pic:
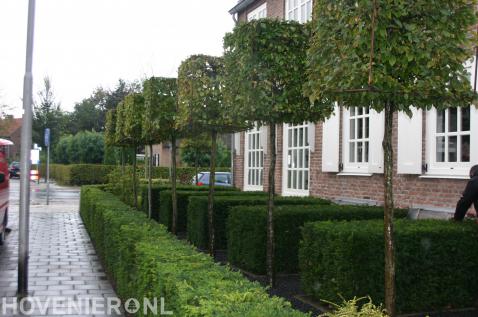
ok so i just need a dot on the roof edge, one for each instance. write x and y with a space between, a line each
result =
241 6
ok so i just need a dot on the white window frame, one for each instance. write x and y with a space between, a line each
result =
354 167
285 169
299 10
450 169
258 13
258 153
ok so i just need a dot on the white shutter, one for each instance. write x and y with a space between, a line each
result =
311 136
331 142
474 134
409 156
377 130
237 143
263 137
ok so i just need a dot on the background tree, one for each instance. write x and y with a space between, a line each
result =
159 124
195 151
47 114
85 147
390 55
265 66
202 109
133 120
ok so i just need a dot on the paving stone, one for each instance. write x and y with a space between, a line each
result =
63 262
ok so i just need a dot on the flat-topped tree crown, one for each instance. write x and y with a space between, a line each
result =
133 116
120 137
265 64
160 102
370 52
110 128
201 102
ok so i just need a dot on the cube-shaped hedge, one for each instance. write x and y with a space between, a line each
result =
166 206
436 262
247 232
198 232
156 195
147 262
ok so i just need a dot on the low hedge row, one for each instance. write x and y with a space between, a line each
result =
247 232
436 262
166 206
78 174
156 195
147 262
197 224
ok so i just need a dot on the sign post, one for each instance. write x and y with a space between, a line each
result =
26 145
47 144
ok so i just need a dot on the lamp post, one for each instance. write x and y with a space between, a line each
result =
26 145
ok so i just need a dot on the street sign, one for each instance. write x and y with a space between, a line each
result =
35 156
47 137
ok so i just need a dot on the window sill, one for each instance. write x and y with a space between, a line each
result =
354 174
437 176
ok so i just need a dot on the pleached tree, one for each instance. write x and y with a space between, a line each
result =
159 125
133 109
391 56
265 65
202 109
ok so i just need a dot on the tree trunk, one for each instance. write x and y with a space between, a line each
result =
270 206
135 187
122 160
150 182
390 294
210 202
196 163
173 186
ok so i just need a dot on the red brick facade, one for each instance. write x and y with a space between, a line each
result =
409 190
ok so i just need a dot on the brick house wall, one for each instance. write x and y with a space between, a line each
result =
409 190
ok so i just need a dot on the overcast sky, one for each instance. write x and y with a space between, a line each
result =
84 44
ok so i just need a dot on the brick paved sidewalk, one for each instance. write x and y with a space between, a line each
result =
63 264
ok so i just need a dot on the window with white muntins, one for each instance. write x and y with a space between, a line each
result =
299 10
258 13
359 131
296 160
254 156
452 141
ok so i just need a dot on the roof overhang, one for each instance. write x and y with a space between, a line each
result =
241 6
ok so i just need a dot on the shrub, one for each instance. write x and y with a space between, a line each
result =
435 262
78 174
146 262
247 232
352 309
198 220
165 208
156 197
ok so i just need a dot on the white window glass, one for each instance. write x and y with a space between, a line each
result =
452 141
297 157
452 136
258 13
254 160
358 140
299 10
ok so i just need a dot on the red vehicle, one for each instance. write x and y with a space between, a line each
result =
4 194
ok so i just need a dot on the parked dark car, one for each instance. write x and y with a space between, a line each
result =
222 179
14 169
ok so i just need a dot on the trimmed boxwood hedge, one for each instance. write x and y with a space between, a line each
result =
166 207
78 174
198 220
156 195
247 232
147 262
436 262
